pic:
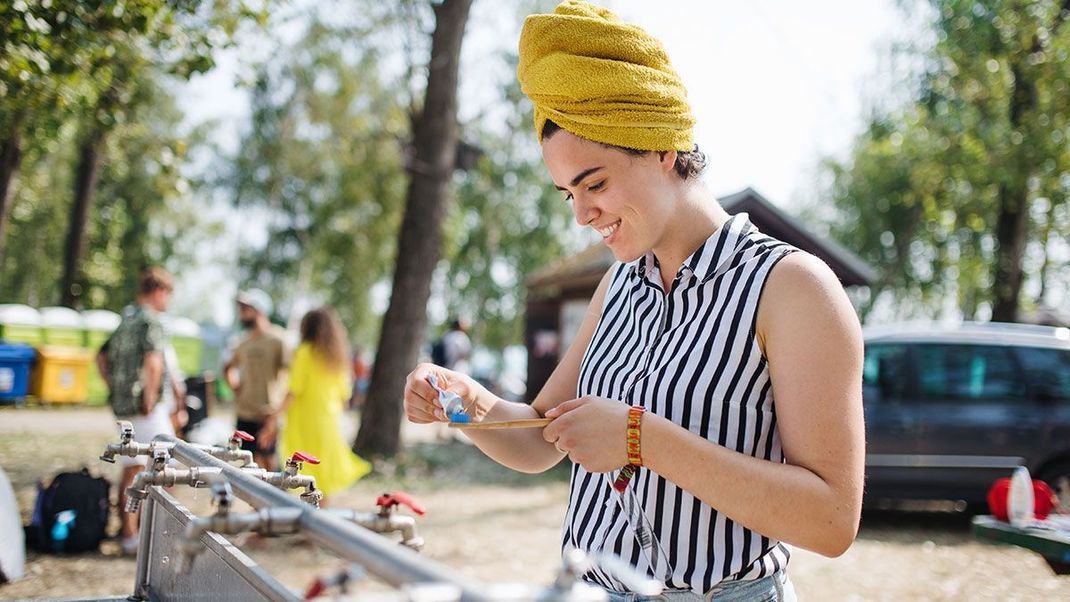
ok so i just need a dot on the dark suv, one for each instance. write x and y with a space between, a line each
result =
951 408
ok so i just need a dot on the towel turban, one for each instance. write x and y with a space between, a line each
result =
602 79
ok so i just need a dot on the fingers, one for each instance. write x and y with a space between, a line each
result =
566 407
421 405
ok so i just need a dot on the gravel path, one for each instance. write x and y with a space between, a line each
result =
494 525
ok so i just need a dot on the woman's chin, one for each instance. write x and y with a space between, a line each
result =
624 255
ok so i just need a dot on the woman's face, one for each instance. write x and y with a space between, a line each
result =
626 198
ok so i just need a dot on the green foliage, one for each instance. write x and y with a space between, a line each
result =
507 222
144 213
921 195
322 160
74 73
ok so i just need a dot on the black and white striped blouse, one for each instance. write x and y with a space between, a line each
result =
691 356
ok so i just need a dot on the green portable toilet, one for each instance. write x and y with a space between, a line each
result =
62 326
98 324
185 337
20 324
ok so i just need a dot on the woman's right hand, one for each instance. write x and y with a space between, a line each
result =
421 399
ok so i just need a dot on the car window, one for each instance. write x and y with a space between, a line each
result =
1047 372
969 372
885 375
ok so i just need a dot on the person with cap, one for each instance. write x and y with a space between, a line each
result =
257 372
711 400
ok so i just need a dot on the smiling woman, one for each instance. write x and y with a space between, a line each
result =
711 400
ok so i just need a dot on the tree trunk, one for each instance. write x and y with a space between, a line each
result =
90 161
1012 223
420 240
10 158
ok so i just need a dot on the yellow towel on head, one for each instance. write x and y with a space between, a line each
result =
603 80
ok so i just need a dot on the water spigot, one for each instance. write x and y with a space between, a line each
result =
134 498
297 460
126 435
222 496
312 496
576 563
126 431
160 457
235 441
388 501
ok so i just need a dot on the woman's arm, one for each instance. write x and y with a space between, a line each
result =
520 449
813 342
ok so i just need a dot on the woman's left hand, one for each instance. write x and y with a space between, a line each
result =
592 431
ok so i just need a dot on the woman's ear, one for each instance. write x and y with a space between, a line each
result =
667 159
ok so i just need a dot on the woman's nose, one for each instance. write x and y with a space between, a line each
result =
585 211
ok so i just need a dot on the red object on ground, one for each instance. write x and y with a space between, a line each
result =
400 497
1043 499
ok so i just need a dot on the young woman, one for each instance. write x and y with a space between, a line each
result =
319 389
711 401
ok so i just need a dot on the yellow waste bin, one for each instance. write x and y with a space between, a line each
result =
61 374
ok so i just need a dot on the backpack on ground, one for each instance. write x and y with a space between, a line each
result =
71 514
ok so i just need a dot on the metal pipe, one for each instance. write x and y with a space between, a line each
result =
195 476
376 521
269 521
395 564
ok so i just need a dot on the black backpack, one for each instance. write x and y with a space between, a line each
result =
79 504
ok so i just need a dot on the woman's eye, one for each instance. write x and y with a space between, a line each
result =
568 196
596 187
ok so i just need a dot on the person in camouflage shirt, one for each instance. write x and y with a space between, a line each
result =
132 363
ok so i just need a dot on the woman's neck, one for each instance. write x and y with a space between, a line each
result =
699 216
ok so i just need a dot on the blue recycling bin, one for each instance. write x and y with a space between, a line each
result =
15 362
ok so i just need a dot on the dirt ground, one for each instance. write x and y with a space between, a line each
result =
498 526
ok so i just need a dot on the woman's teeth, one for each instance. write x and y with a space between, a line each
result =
608 230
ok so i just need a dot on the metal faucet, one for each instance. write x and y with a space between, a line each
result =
267 521
233 451
569 584
128 447
386 520
159 474
289 478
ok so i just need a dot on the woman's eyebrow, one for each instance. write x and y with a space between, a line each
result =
579 177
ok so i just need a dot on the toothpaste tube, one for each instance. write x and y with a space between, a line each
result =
452 404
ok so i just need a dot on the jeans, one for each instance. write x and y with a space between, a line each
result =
774 588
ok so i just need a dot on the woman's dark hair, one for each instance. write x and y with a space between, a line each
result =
689 164
322 328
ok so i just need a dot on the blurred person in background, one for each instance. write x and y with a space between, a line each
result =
362 378
256 372
132 364
319 387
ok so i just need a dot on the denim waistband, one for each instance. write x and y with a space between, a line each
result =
775 587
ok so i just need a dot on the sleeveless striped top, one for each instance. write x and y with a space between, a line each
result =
691 356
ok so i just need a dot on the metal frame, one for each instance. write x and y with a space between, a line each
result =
221 567
394 564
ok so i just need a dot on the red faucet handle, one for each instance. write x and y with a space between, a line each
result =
303 457
400 497
242 435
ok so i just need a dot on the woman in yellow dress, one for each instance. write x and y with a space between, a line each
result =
319 388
